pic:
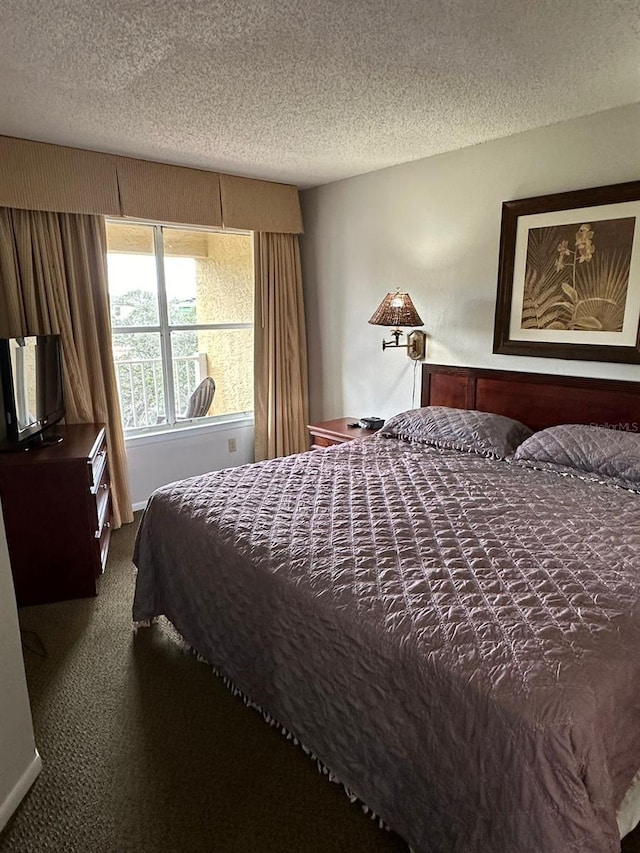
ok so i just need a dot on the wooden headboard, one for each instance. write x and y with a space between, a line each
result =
538 400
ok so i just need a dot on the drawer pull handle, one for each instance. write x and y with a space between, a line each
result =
98 533
97 459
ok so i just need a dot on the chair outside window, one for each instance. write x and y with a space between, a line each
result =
201 399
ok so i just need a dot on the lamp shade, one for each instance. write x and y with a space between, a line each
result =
396 309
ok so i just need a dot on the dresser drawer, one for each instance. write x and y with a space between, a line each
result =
97 461
101 501
103 544
320 442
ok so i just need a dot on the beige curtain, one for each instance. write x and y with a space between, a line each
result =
281 390
53 280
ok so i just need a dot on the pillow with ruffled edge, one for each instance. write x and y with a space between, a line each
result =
592 452
458 429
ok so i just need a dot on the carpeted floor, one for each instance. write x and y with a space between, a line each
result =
145 751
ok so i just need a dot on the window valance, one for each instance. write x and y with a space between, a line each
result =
41 176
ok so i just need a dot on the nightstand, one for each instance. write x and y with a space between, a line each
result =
327 433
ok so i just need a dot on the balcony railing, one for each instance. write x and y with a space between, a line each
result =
141 387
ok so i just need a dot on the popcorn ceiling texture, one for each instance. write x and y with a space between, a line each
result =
307 91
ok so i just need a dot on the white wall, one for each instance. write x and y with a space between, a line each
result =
432 227
163 458
19 760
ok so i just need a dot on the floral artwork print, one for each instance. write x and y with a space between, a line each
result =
577 276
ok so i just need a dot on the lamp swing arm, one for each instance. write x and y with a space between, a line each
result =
396 334
415 346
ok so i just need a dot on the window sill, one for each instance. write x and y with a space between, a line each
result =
177 433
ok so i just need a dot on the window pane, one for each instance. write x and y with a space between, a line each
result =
140 379
224 355
131 266
208 276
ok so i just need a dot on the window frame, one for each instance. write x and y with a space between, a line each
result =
164 329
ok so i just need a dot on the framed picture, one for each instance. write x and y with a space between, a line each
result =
569 275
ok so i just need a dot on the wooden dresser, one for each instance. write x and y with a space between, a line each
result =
57 510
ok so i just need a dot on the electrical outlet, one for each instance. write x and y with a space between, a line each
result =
232 445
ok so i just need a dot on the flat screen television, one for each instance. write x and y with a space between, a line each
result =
30 390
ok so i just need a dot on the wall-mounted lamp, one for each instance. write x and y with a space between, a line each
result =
397 309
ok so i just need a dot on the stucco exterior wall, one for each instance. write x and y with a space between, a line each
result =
224 287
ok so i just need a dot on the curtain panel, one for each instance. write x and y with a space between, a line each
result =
53 280
280 370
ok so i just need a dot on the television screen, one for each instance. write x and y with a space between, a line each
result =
31 376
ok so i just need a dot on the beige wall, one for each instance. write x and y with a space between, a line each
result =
432 227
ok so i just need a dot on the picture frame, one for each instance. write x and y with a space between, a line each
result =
569 275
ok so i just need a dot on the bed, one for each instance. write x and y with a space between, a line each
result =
455 637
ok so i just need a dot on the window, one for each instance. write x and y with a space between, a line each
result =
181 311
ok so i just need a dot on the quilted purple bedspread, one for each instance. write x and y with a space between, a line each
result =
456 638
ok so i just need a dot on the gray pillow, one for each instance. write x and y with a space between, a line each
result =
459 429
579 449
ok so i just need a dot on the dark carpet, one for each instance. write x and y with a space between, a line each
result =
144 750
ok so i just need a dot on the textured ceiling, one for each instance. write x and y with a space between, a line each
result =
307 91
